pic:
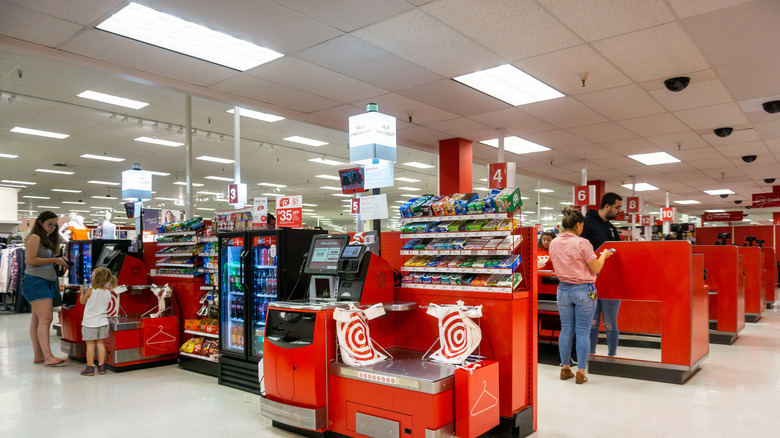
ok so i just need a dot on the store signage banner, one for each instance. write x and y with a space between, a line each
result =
379 175
237 194
352 180
373 207
289 212
668 213
726 216
766 200
372 135
632 204
260 212
501 175
137 185
584 195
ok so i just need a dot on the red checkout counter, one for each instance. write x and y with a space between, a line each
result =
310 391
135 340
726 282
755 297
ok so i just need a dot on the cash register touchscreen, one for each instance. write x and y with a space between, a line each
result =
322 264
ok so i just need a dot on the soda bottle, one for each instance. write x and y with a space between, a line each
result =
264 257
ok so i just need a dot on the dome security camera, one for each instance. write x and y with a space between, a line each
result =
738 201
769 180
724 196
749 158
772 107
677 84
748 207
723 132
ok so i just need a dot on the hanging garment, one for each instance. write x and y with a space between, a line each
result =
459 336
355 344
79 233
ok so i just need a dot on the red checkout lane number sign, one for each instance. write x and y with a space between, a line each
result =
501 175
667 214
355 206
289 212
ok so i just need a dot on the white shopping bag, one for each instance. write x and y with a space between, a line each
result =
459 336
355 344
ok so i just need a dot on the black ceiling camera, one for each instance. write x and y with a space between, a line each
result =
769 180
772 107
739 201
723 132
677 84
722 238
748 207
749 240
760 243
749 158
724 196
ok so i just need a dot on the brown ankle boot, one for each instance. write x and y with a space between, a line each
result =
566 373
581 378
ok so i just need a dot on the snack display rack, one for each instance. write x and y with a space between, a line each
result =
177 255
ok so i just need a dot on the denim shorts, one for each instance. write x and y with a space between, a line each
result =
37 288
94 333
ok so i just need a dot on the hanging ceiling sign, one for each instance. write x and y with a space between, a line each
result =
372 136
766 200
724 216
137 185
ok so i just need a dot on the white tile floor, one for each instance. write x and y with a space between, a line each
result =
736 394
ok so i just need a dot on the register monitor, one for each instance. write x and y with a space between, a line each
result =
322 264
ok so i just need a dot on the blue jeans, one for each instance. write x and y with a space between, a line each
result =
608 310
575 308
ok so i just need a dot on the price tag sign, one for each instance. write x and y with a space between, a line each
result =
289 212
354 206
584 195
260 211
632 204
501 175
668 213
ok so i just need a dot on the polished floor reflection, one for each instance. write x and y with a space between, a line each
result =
734 394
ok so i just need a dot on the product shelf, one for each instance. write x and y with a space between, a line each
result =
499 233
457 251
173 275
457 270
501 215
192 242
197 356
207 335
208 239
208 254
174 254
176 233
177 265
465 288
208 287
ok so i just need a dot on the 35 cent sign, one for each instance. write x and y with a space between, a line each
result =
289 212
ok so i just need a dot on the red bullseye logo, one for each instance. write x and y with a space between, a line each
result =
113 305
455 337
357 340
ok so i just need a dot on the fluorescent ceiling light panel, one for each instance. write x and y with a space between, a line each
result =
106 183
405 179
304 140
28 131
407 195
243 112
183 183
509 84
418 165
326 161
411 189
166 199
48 206
544 190
113 100
13 181
157 141
8 156
103 157
330 188
687 202
36 197
331 177
74 202
545 208
278 195
219 178
341 195
105 197
209 193
641 187
654 158
719 192
163 30
715 211
205 209
59 172
66 190
310 205
517 145
215 159
271 185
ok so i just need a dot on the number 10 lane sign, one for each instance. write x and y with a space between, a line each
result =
289 212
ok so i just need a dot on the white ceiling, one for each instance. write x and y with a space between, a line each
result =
342 54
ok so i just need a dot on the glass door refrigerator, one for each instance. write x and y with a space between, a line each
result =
255 268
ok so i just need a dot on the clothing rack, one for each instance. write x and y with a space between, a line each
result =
11 272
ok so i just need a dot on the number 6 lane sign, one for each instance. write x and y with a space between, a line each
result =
584 195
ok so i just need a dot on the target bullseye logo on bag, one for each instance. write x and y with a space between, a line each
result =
459 336
355 344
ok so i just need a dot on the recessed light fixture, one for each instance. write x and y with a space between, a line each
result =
545 208
517 145
205 209
104 197
157 141
103 157
215 159
509 84
687 201
57 135
331 177
219 178
158 173
326 161
169 32
243 112
105 183
74 202
59 172
330 188
411 189
13 181
66 190
418 165
183 183
719 192
101 208
8 156
544 190
307 209
717 210
48 206
165 199
310 205
271 185
278 195
209 193
342 195
113 100
654 158
407 195
405 179
641 187
306 141
36 197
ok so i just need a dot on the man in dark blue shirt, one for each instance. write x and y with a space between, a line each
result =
598 229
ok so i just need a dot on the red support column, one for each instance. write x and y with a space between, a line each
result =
455 161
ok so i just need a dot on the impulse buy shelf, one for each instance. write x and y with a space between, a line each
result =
181 255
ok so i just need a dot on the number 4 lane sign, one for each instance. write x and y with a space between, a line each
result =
501 175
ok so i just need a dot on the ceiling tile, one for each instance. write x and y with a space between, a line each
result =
593 152
524 30
711 163
275 94
422 134
737 136
742 149
686 140
360 60
697 94
399 106
688 8
752 79
602 132
711 117
620 103
77 11
454 97
565 112
464 128
599 19
428 42
631 147
347 15
513 120
26 24
768 130
737 34
630 52
654 125
557 139
340 113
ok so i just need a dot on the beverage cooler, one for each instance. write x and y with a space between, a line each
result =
82 253
256 268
